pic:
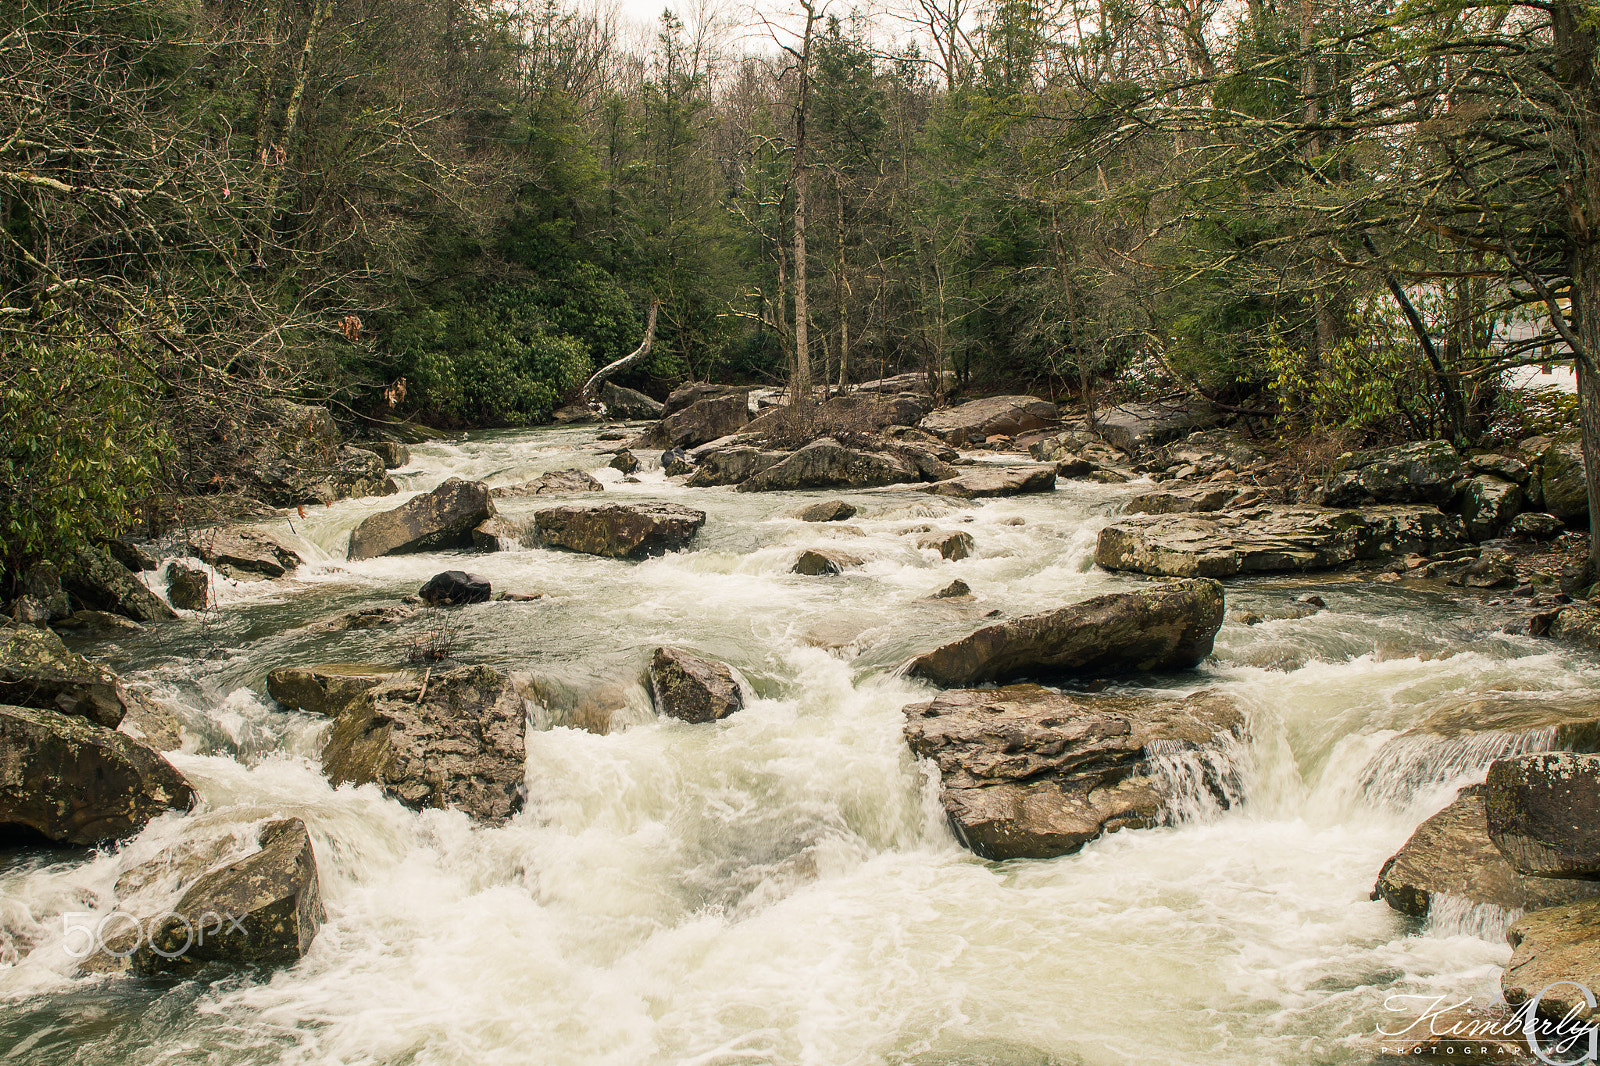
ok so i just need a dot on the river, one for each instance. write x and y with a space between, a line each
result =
781 887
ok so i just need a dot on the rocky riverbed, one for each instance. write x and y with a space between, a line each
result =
663 771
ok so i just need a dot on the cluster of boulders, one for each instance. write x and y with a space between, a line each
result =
1526 841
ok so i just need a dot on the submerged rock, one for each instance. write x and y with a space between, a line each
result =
1170 627
263 909
455 587
827 511
363 618
443 518
1551 946
323 689
1030 773
1272 539
245 550
1451 856
38 670
977 420
1544 813
451 738
98 582
554 483
619 530
691 688
75 782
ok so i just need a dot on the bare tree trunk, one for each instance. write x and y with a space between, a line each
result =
802 339
633 358
291 115
839 288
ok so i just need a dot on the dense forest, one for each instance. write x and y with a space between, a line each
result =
1349 217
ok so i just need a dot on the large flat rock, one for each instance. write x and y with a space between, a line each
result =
1170 627
1026 772
619 530
975 421
1552 946
997 481
1263 540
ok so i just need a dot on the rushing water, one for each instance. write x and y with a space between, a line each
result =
780 887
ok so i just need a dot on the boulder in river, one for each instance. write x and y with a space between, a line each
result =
74 782
505 533
692 392
1544 813
619 530
455 587
950 544
1450 856
1425 472
1549 947
298 457
392 453
1578 624
554 483
827 511
731 465
98 582
628 403
38 670
699 423
263 909
450 738
982 482
820 562
827 464
188 587
1170 627
1260 540
691 688
1030 773
323 689
245 550
624 461
443 518
976 421
1488 505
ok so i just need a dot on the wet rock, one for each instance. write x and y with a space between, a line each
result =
1030 773
1544 813
391 453
1134 427
699 423
454 587
997 481
98 582
953 591
75 782
451 738
953 545
443 518
1579 624
1170 627
363 618
619 530
624 461
263 909
1451 856
1272 539
135 555
819 562
504 533
323 689
1548 947
676 463
1425 472
978 420
188 587
1536 526
731 465
628 403
1488 505
826 464
245 550
691 688
1185 500
827 511
38 670
554 483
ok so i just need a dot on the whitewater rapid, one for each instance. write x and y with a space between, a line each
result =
781 887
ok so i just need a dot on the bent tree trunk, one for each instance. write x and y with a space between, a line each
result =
591 387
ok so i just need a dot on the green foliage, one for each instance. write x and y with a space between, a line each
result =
1358 384
82 448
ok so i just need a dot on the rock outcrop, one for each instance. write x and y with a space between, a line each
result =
827 464
1425 472
327 688
1030 773
97 582
1260 540
619 530
38 670
976 421
453 738
699 423
455 587
443 518
1544 813
1134 427
299 457
731 465
75 782
997 481
1183 499
554 483
691 688
1170 627
240 550
1450 855
628 403
1549 947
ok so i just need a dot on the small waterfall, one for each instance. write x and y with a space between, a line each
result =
1198 783
1411 762
1456 916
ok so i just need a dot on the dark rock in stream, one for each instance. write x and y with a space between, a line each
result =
1030 773
75 782
827 511
691 688
450 738
821 562
455 587
443 518
188 587
827 464
951 544
1170 627
554 483
699 423
1544 813
98 582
